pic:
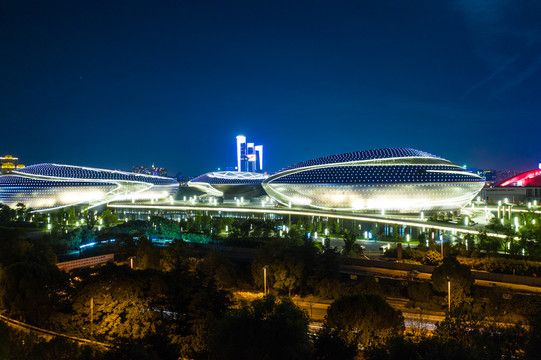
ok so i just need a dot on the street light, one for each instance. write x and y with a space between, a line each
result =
265 278
91 316
449 293
441 241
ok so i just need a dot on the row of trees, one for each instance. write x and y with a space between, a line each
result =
175 302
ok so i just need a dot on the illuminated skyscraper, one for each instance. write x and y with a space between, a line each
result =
249 156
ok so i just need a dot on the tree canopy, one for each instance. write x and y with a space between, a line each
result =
363 320
267 328
460 277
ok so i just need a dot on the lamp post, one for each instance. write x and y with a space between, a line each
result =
91 317
449 293
265 278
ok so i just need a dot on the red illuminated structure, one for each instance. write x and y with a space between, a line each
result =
529 178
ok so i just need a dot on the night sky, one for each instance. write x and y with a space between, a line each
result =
113 84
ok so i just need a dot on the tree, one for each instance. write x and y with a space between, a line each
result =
488 243
175 256
72 216
28 276
148 255
90 219
362 320
350 247
472 336
534 345
329 346
267 328
78 236
21 211
294 268
6 213
27 290
287 272
460 277
217 265
197 304
285 267
125 306
109 218
432 257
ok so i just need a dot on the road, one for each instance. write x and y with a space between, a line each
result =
426 276
414 319
316 308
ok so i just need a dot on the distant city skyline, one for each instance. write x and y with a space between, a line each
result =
111 85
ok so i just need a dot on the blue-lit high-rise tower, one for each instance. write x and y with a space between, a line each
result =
249 156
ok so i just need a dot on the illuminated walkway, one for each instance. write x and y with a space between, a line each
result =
249 209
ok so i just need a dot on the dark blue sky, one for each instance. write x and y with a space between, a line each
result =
113 84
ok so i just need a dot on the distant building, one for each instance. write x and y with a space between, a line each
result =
490 176
522 188
9 163
153 170
249 156
506 174
494 176
511 194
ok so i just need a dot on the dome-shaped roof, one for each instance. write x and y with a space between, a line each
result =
363 155
78 172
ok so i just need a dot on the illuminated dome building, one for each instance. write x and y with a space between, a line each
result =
403 180
48 186
230 184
